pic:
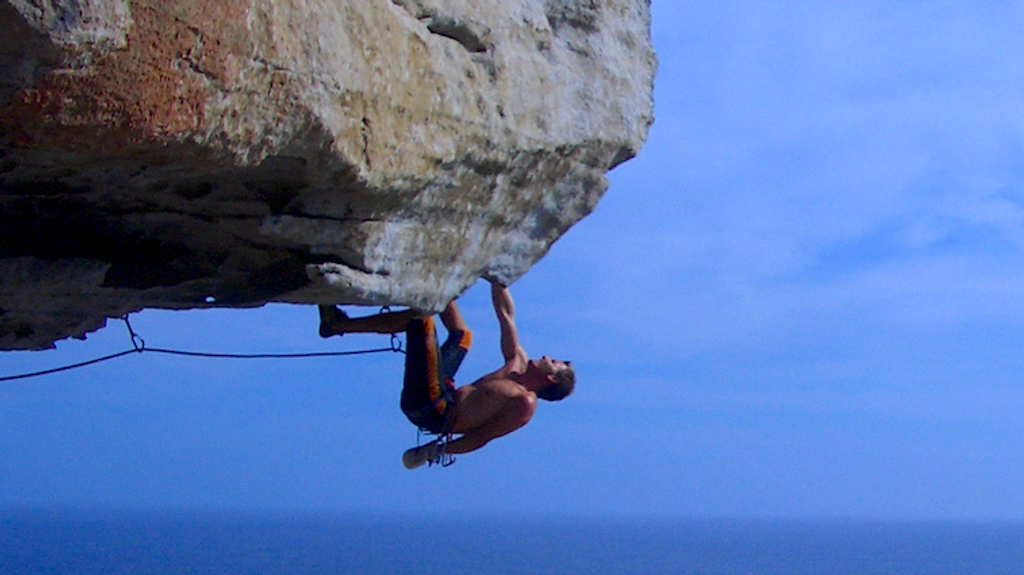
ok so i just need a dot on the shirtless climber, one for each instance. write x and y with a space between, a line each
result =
494 405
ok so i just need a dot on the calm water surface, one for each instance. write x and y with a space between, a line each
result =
266 544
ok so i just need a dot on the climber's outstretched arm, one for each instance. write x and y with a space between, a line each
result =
504 309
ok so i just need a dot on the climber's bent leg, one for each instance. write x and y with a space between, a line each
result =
333 321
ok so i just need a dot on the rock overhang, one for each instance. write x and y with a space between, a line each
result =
231 154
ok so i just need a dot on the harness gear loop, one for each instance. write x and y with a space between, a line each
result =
444 459
441 456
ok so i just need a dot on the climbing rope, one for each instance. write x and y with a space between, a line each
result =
139 346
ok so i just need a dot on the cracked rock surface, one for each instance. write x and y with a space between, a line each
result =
194 154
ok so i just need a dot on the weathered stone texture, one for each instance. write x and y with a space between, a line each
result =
193 153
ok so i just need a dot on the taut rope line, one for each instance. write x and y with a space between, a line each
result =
139 346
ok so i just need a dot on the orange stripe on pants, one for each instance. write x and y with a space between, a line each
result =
433 369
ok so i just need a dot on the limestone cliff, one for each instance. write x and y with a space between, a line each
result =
191 153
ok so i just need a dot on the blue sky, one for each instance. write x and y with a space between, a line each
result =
803 299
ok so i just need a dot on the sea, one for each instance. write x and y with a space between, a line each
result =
222 543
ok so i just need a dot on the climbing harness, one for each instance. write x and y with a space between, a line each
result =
441 457
139 346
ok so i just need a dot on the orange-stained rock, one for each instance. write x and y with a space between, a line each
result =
192 153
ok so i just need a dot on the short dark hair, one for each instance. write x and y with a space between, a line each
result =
562 387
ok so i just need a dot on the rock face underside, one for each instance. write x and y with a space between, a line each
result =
184 154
